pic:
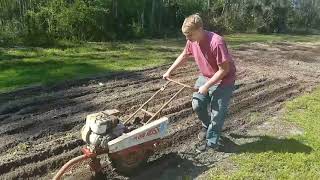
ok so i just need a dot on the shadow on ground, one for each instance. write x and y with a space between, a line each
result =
263 144
171 166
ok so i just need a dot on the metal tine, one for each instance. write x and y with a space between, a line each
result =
161 89
153 117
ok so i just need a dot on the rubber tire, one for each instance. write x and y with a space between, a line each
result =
122 167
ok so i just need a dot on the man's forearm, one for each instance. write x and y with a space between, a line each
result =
180 59
215 78
223 70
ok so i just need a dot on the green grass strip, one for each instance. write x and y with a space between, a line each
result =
293 157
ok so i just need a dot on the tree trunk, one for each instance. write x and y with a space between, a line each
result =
152 17
142 19
115 8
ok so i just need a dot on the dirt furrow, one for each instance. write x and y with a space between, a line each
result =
36 123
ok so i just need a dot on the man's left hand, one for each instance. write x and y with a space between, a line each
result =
203 90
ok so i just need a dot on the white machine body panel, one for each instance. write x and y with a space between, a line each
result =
154 130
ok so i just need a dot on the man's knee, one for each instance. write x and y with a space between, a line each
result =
197 105
199 101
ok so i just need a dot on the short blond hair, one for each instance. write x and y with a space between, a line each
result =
191 23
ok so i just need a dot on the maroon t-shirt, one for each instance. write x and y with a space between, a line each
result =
209 53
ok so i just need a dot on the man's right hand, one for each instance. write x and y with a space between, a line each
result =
166 75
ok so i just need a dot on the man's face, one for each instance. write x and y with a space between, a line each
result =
193 35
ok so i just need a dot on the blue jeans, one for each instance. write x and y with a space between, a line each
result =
212 108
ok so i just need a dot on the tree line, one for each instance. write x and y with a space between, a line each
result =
44 21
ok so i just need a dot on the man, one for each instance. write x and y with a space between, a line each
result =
215 82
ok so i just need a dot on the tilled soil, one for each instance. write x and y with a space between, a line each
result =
39 126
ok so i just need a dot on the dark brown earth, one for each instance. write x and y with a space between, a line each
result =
39 126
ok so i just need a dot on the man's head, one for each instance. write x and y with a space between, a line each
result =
192 27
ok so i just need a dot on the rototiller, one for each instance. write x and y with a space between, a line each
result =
127 148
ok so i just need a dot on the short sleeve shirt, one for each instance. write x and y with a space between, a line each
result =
209 53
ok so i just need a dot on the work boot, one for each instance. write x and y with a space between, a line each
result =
203 146
202 134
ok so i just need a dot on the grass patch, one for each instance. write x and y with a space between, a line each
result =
294 157
236 40
20 67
